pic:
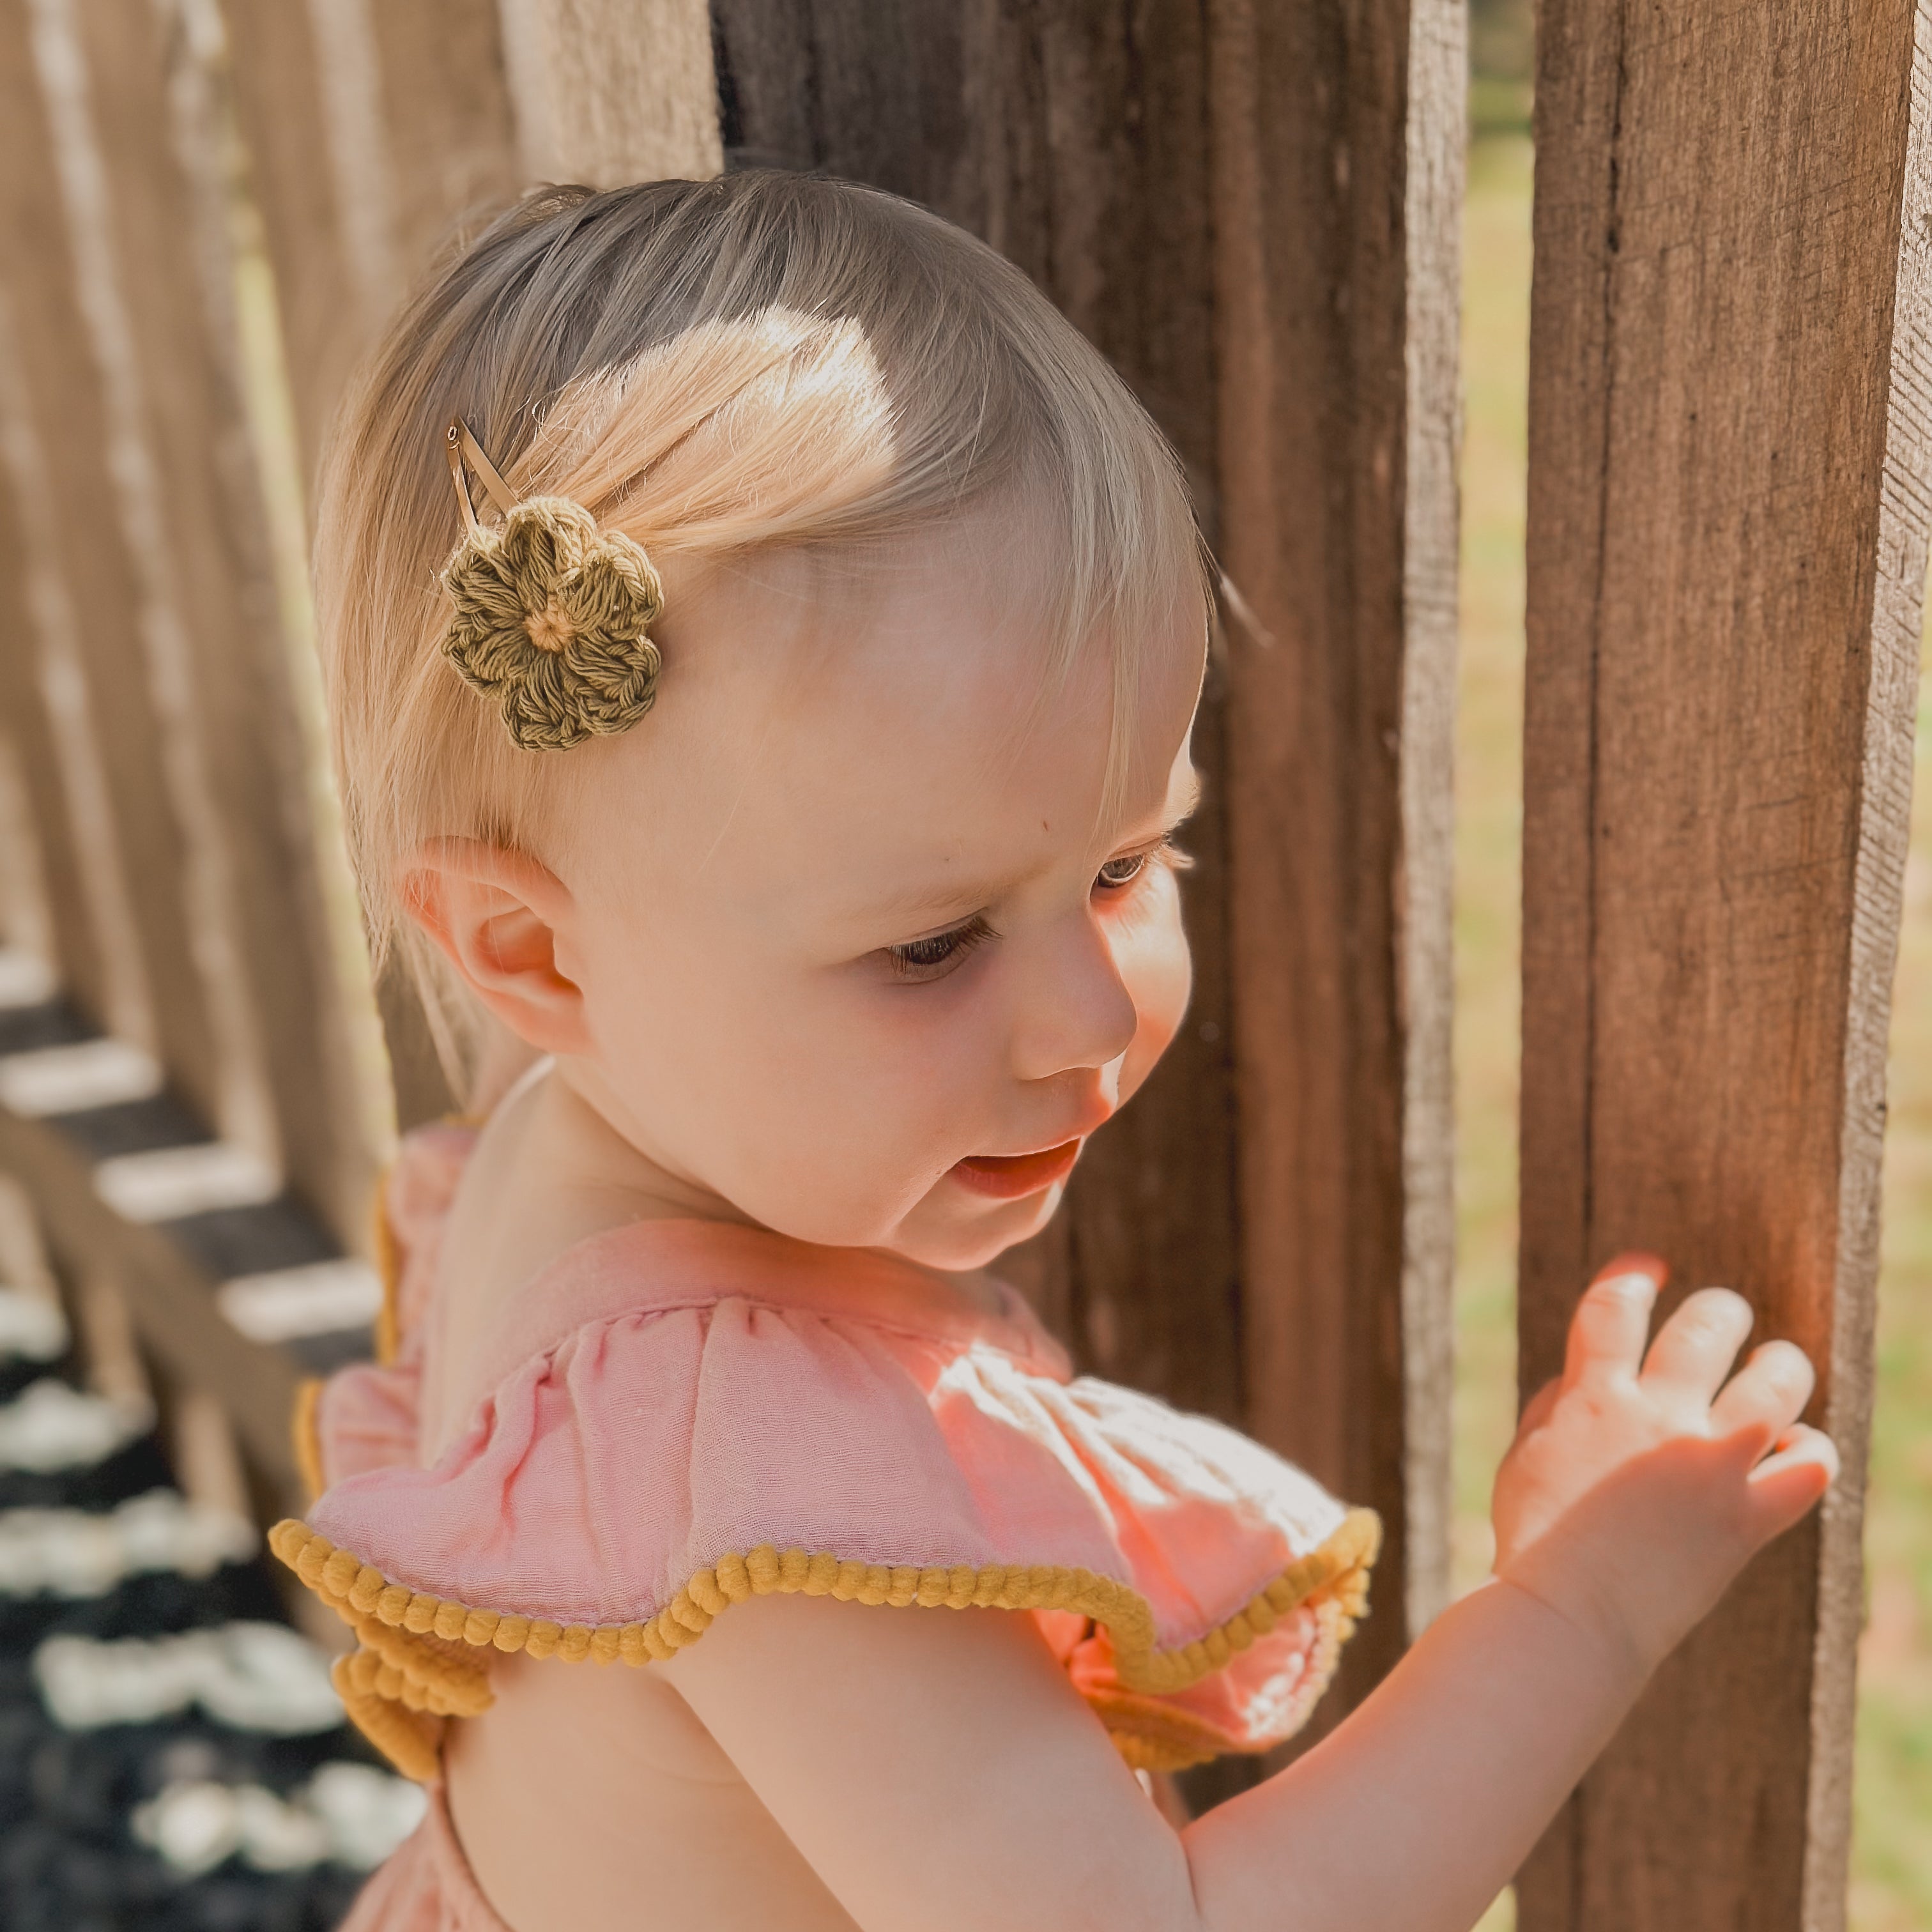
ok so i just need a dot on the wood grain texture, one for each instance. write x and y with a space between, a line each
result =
366 149
160 95
1339 190
1222 197
1434 119
610 91
171 1300
60 495
1727 537
185 673
50 705
71 942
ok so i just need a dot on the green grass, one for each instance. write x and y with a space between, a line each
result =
1892 1849
1489 837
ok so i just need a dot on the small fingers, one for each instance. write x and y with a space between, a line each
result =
1695 1348
1608 1330
1785 1485
1769 1392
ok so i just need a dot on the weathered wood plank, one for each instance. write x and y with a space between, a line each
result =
137 152
1252 214
171 1299
371 129
1340 198
1727 535
609 91
85 598
71 942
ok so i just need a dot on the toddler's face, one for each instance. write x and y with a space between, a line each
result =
858 951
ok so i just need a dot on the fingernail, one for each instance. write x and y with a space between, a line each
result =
1636 1265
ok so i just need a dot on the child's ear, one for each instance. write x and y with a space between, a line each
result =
497 916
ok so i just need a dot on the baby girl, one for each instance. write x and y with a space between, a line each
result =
763 644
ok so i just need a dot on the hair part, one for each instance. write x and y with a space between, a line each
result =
765 361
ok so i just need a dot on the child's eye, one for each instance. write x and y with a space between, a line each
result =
933 958
1128 867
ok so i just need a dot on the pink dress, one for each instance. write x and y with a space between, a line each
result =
686 1414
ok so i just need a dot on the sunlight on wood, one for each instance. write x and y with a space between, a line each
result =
1892 1870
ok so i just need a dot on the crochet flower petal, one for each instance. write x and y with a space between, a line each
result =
549 619
541 541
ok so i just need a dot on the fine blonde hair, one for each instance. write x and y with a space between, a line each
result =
764 361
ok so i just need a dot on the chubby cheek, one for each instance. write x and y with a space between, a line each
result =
911 1086
821 1114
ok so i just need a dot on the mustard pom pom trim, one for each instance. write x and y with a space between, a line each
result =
412 1669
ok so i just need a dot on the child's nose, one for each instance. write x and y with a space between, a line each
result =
1077 1010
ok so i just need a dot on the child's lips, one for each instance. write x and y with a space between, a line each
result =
1007 1176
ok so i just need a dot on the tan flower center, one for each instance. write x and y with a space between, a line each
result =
550 629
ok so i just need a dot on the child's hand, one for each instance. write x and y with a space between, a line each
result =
1638 1486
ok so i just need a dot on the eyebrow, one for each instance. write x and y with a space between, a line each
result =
955 900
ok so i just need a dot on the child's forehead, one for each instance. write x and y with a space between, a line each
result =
899 727
936 698
945 665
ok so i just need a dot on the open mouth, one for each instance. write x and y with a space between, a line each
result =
1007 1176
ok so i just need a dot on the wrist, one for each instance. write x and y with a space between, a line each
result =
1609 1642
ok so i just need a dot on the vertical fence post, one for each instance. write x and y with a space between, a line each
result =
1729 376
1253 214
371 126
83 607
608 91
161 661
89 940
1339 143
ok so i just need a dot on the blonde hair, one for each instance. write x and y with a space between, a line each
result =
763 361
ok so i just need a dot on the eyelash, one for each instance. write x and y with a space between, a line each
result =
920 960
1166 854
917 959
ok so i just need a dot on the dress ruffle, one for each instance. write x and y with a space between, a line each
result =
693 1414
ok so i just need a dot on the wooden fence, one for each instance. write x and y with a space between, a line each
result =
207 206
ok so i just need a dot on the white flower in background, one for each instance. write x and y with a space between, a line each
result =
78 1553
249 1676
51 1427
368 1813
350 1814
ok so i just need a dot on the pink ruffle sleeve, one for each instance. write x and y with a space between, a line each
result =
365 1417
694 1414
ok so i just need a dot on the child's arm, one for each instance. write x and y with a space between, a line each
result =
937 1769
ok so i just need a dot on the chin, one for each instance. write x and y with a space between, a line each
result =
958 1243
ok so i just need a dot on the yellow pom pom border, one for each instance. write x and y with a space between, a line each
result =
414 1667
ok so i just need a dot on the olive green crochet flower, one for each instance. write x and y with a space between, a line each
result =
551 619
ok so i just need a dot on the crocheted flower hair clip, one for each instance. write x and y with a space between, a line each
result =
551 613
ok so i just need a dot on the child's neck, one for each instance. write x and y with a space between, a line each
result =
573 1148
